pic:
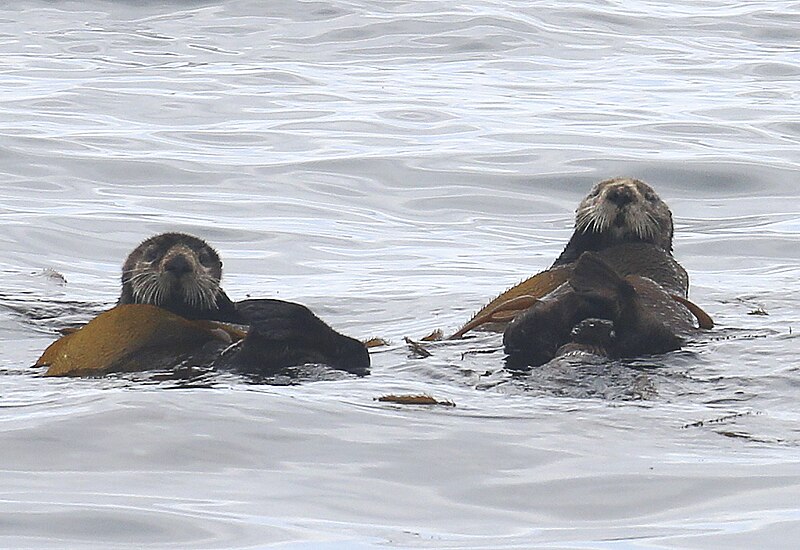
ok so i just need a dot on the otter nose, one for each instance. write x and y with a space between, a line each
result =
620 195
177 265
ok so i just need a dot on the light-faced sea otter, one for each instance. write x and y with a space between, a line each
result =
615 289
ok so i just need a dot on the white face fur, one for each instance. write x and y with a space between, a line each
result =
153 282
626 209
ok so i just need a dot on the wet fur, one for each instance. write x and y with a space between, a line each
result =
617 211
181 273
284 334
621 271
637 328
645 319
625 220
192 292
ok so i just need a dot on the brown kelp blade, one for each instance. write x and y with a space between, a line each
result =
130 337
518 298
415 399
704 320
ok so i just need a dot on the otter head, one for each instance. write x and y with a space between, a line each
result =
175 271
625 210
619 211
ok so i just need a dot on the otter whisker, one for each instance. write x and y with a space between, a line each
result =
132 273
203 293
151 291
140 276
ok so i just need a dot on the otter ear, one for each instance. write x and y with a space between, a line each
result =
209 258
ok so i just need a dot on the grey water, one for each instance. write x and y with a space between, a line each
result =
394 165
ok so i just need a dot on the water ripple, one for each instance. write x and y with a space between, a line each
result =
395 165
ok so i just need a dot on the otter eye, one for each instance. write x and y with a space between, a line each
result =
150 254
206 259
650 196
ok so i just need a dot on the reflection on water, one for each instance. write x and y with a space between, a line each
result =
395 165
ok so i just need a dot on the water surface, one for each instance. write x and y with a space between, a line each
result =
394 165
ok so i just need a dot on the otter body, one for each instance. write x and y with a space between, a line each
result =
615 290
599 311
284 334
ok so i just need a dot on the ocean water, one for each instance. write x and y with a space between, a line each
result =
394 165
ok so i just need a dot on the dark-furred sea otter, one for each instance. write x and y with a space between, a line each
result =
172 310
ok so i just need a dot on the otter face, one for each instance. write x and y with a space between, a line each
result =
172 270
625 210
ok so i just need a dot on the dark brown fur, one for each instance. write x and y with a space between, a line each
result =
181 273
625 220
646 319
621 270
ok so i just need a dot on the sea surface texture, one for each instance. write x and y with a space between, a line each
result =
394 165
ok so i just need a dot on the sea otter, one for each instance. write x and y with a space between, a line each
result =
617 267
180 273
169 311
